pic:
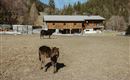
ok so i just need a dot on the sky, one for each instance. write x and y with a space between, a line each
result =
60 3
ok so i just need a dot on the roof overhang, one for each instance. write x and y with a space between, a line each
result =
71 18
93 18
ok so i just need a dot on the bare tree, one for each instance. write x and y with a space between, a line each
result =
116 23
31 17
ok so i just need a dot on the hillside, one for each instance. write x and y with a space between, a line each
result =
116 12
105 8
19 11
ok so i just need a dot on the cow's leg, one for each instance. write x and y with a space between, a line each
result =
39 56
42 64
49 36
48 65
42 61
54 65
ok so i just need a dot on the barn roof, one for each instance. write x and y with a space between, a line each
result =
71 18
93 18
63 18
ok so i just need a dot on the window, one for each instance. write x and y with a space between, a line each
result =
74 23
64 23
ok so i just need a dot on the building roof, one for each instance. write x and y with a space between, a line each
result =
71 18
93 18
63 18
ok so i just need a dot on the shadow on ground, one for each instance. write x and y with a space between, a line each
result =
58 66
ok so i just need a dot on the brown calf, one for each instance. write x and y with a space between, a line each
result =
47 52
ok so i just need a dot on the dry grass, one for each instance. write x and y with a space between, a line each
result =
86 58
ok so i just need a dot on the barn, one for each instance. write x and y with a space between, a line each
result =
73 23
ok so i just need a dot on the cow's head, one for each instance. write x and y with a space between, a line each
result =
55 52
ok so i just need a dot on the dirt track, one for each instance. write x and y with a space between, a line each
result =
86 58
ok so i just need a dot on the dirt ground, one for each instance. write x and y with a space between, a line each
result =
85 57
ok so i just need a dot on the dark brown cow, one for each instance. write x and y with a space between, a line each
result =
47 52
48 32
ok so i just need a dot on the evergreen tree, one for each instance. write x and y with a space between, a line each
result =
69 10
52 6
78 6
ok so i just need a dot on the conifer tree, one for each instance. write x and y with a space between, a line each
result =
52 7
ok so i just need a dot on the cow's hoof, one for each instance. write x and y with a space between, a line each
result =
55 72
41 67
45 70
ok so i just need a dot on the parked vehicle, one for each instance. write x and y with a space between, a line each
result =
87 31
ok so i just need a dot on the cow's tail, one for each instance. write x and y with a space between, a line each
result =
39 55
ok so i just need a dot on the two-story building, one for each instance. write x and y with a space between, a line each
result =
73 23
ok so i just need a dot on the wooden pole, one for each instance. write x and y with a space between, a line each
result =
70 31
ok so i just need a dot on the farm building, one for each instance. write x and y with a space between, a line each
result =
16 29
23 29
73 24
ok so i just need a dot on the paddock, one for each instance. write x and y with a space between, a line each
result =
85 57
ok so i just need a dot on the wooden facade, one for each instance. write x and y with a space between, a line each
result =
74 25
64 25
74 22
93 24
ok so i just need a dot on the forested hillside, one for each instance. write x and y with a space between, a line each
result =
116 12
20 11
106 8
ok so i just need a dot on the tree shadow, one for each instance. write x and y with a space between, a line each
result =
58 66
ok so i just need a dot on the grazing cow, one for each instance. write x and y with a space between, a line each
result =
47 52
46 33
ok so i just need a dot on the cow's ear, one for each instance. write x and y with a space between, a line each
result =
58 49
